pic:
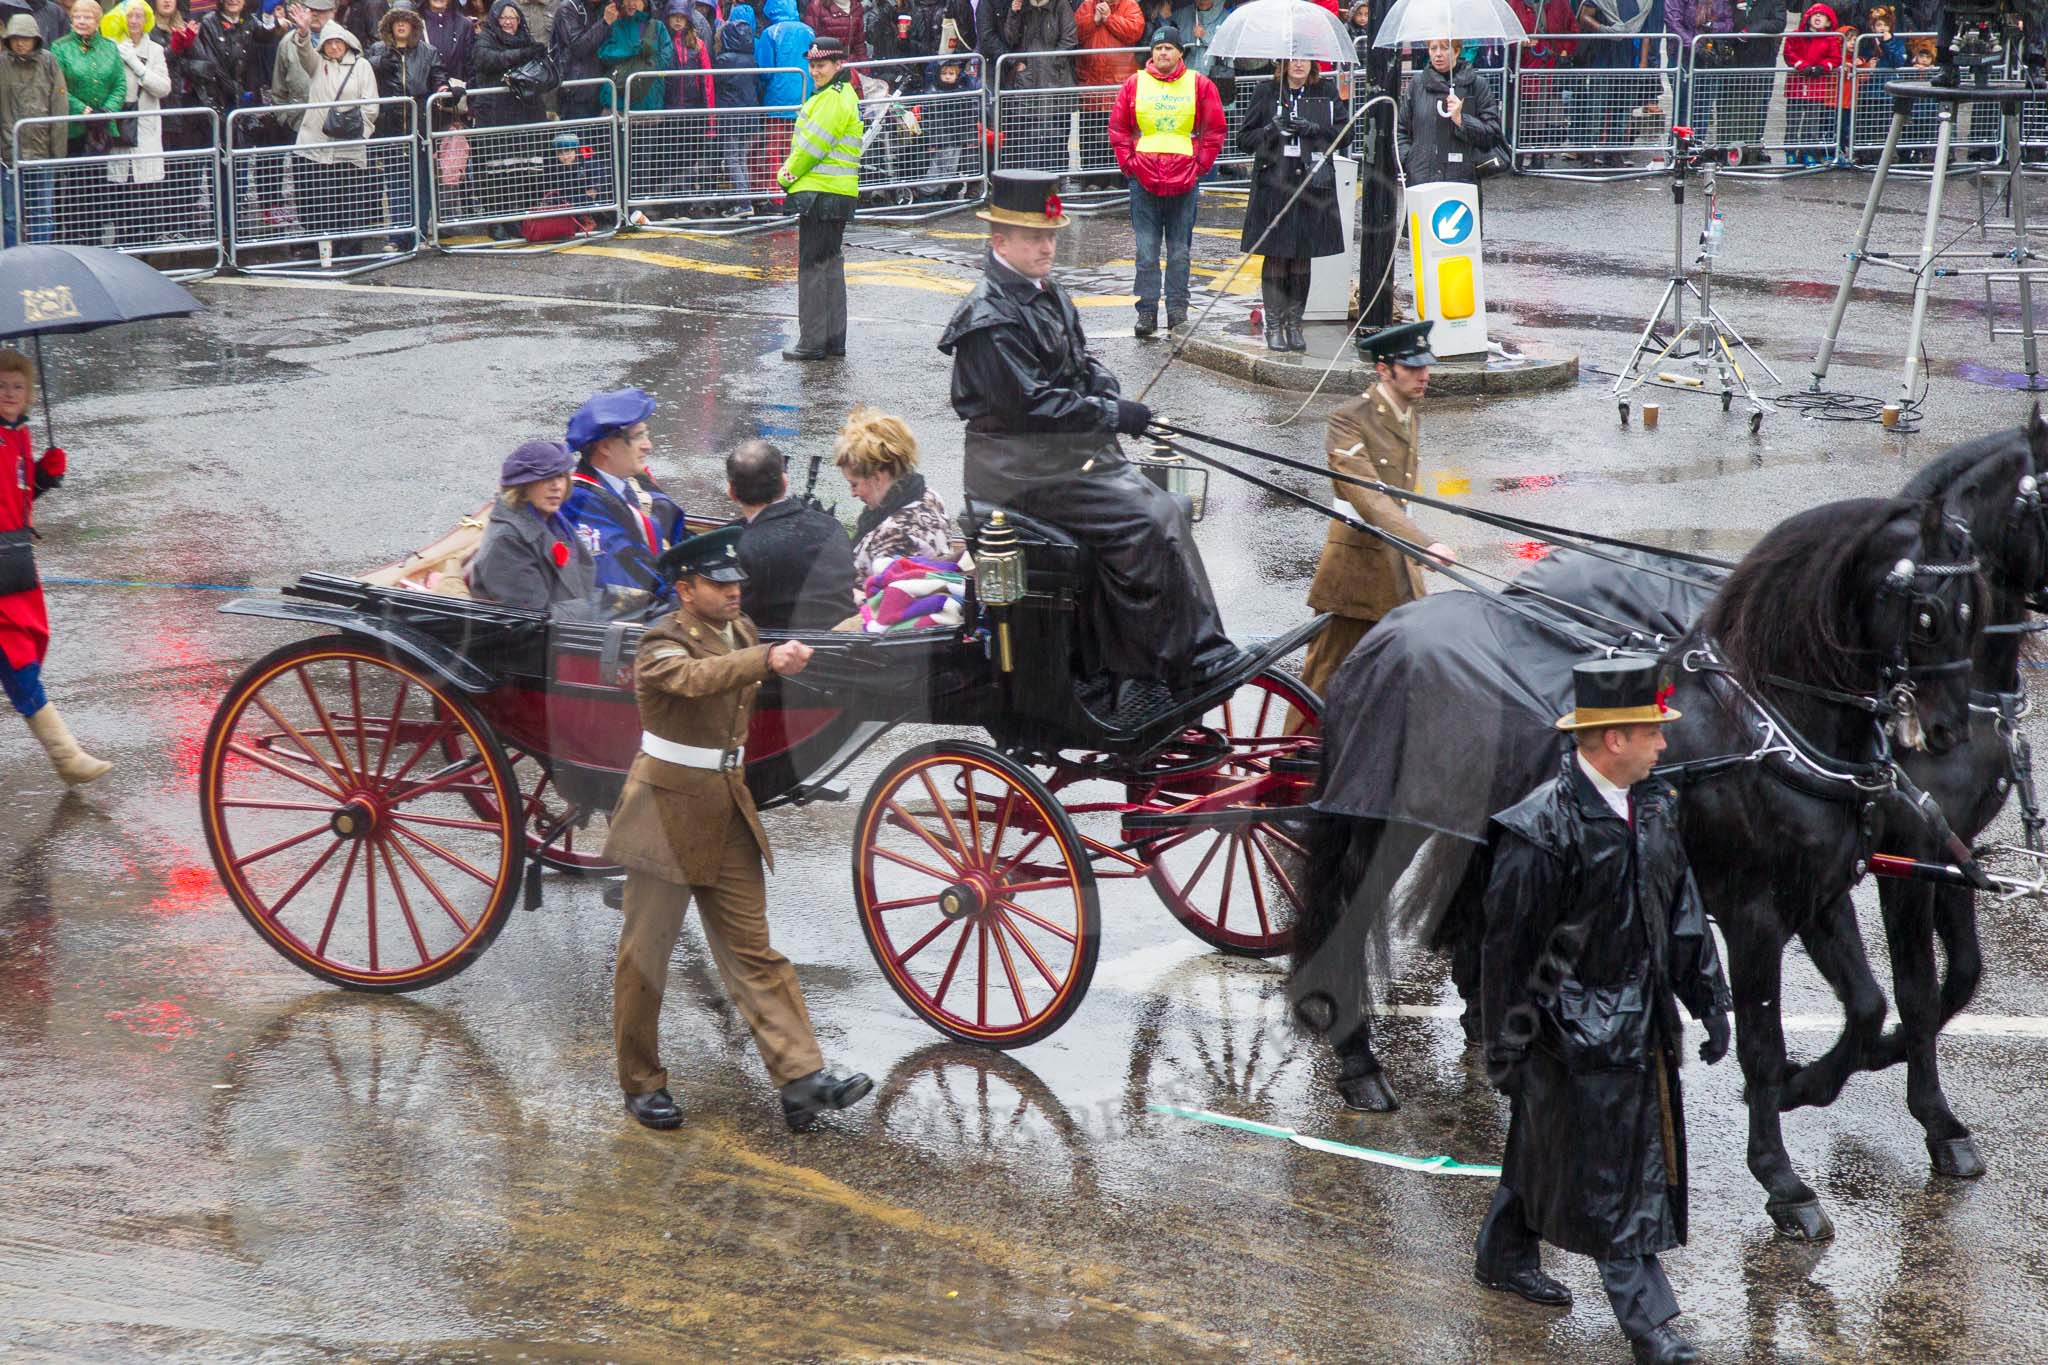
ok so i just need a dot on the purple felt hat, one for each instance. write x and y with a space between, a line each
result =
535 460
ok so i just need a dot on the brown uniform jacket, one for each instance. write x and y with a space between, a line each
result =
671 821
1360 575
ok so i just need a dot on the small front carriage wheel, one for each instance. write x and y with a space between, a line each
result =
344 792
976 894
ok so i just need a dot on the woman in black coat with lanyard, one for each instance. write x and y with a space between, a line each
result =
1292 122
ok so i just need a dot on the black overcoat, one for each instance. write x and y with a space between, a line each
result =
1432 148
1596 1145
1312 226
799 566
1041 438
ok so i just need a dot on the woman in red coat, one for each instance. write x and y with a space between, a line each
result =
24 625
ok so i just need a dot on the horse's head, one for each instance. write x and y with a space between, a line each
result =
1925 613
1995 486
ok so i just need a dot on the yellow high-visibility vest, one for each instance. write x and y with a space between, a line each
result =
1166 113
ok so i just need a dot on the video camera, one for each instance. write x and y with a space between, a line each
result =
1980 36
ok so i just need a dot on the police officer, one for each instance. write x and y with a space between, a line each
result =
617 509
1360 577
822 177
686 826
1594 934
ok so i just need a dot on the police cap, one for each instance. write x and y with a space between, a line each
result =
606 414
1407 344
715 555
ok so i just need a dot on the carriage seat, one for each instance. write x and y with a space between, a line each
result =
1055 564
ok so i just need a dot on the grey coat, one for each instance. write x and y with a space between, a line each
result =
516 564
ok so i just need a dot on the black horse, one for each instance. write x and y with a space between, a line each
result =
1994 484
1846 629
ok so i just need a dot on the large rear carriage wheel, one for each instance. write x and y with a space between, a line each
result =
344 793
976 894
1236 887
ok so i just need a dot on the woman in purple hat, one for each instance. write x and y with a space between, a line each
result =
530 556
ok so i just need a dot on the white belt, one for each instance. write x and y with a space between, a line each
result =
689 755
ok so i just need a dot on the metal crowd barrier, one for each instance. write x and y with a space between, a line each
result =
925 153
1060 128
521 184
706 165
1760 111
1611 104
342 217
1978 126
111 192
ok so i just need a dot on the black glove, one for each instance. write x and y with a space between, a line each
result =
1132 417
1716 1045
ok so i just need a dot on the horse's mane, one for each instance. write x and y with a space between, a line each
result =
1939 477
1790 607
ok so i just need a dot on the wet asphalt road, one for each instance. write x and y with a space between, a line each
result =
212 1156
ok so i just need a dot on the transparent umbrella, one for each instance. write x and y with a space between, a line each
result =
1418 21
1275 30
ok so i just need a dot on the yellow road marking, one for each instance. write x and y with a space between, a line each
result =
674 262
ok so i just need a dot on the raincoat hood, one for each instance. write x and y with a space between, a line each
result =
1806 17
114 24
401 12
491 21
22 26
780 11
736 34
334 30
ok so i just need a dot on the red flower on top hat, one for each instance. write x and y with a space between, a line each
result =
1053 208
560 553
1664 695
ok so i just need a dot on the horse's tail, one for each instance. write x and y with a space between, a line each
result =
1340 935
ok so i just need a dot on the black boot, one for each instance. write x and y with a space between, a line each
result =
1276 314
1664 1347
1147 324
656 1109
804 1100
1295 340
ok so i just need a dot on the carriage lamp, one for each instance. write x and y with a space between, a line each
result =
1174 474
999 578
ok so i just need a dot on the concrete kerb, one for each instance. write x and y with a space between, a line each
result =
1531 368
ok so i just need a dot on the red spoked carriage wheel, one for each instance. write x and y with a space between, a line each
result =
575 851
341 790
976 894
1235 887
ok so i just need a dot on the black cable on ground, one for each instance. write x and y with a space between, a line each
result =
1830 406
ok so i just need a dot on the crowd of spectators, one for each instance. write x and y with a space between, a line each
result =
530 61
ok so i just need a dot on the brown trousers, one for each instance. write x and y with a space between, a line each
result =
760 980
1327 650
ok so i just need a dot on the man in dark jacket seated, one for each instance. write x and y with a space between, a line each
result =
798 559
1042 419
1594 935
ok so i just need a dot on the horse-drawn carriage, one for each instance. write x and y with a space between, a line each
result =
375 798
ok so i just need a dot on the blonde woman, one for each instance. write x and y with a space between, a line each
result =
148 82
878 456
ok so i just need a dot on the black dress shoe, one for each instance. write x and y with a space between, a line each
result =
803 355
656 1109
804 1100
1533 1285
1664 1347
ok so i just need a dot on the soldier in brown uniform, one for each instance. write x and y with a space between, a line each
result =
1378 436
686 826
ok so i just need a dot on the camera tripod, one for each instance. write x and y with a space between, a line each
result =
1707 342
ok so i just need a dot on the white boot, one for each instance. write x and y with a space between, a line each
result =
72 763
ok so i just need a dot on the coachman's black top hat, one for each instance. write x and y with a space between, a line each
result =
715 555
1025 199
1618 692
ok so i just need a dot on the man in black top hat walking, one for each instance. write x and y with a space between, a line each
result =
1594 932
1042 419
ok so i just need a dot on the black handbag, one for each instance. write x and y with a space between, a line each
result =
533 77
17 562
344 123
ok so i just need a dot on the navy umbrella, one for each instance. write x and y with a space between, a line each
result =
53 289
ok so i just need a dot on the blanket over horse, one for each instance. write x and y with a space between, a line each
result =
1438 718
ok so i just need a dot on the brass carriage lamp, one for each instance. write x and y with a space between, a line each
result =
1174 474
999 577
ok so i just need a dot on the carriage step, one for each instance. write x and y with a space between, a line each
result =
824 791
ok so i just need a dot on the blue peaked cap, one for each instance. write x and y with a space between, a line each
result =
602 414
